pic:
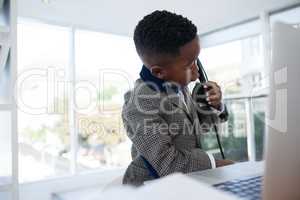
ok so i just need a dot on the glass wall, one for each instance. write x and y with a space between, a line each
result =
42 110
237 67
106 67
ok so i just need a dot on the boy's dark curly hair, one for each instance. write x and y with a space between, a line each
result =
163 32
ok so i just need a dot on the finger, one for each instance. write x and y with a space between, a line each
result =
215 104
212 92
213 89
211 84
213 98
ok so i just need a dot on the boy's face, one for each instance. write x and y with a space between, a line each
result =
181 69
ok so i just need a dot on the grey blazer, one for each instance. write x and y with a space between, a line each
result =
164 131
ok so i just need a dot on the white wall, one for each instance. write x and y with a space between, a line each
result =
120 17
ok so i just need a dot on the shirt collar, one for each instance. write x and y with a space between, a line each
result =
156 83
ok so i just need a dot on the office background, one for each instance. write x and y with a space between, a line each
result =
77 133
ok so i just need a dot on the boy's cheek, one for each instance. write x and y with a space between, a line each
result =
195 75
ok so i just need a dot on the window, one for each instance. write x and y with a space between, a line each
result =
42 112
106 66
238 67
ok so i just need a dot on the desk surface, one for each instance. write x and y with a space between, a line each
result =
222 174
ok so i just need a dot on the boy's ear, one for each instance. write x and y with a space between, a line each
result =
157 71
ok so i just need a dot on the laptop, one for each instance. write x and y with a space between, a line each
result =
281 179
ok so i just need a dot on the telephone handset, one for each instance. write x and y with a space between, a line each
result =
203 78
199 95
199 92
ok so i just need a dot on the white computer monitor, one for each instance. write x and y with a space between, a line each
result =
282 173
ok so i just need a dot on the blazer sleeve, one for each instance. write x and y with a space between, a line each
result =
154 143
213 118
223 116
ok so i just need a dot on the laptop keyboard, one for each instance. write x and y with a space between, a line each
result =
249 189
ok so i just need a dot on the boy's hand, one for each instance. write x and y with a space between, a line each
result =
214 94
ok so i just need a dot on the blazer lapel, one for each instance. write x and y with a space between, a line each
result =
191 104
193 108
177 102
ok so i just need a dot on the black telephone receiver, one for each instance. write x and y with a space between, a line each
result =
202 74
199 95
